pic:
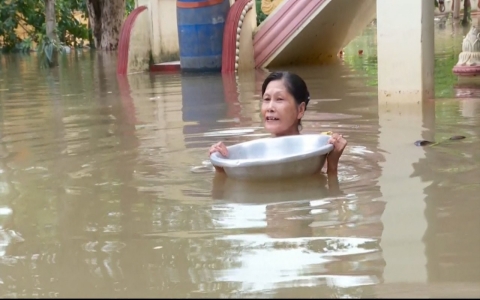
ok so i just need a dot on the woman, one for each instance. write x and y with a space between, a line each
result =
284 100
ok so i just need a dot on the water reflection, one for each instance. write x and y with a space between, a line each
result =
468 94
97 181
450 242
319 236
208 99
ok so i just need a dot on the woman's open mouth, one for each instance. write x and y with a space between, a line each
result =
271 119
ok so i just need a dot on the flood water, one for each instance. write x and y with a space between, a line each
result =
106 188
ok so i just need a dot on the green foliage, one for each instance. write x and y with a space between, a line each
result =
47 49
24 46
8 23
29 15
69 29
130 5
260 15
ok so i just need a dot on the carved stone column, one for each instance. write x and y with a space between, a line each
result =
469 59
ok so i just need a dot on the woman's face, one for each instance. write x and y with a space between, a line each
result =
280 112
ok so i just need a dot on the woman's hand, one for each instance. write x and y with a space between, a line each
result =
218 147
339 144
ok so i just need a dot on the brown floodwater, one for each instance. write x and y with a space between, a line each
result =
106 189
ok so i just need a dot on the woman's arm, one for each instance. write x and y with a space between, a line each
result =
339 144
332 180
330 168
333 185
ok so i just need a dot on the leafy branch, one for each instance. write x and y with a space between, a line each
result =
47 49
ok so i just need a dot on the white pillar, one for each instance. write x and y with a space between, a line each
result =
405 50
142 3
404 223
165 45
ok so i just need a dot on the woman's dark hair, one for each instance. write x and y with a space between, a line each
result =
294 84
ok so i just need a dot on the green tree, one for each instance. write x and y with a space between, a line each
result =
102 29
30 15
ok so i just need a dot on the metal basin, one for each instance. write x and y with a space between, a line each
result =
274 158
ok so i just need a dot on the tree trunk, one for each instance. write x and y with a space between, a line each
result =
94 10
106 20
50 23
456 9
466 12
50 26
91 43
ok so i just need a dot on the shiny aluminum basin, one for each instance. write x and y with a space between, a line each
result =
274 158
